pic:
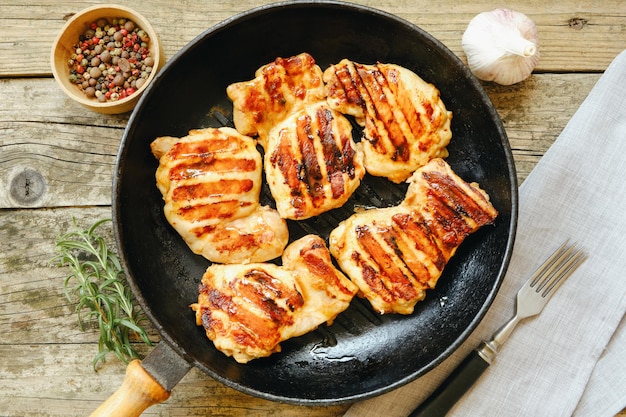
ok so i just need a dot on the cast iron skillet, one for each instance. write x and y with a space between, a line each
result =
361 354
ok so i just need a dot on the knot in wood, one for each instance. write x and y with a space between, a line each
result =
27 187
577 23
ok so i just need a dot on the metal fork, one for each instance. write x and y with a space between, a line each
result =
530 301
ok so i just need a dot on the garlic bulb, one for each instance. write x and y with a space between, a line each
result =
501 46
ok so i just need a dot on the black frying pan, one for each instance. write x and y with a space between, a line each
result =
362 354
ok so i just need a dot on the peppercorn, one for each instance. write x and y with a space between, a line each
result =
95 72
129 26
119 79
111 59
105 56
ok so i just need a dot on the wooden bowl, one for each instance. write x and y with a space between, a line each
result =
64 47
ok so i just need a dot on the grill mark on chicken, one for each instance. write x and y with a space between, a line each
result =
348 154
256 106
228 241
295 75
405 112
372 278
307 164
273 82
278 89
373 134
208 163
370 89
252 330
334 159
456 198
286 161
417 230
349 91
408 254
292 67
322 268
254 312
211 189
390 274
205 148
262 290
202 231
273 78
381 112
309 132
221 210
450 225
310 173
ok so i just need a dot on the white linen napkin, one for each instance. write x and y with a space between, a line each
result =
571 359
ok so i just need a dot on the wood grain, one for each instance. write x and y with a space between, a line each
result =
43 348
573 34
47 136
57 159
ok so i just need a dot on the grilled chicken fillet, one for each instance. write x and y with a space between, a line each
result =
395 254
405 122
247 310
210 181
278 89
312 164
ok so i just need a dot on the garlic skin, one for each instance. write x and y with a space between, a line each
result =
501 46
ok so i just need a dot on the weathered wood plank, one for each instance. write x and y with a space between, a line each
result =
42 346
48 155
57 158
57 380
43 136
33 306
535 111
573 34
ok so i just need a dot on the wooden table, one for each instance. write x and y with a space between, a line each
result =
57 159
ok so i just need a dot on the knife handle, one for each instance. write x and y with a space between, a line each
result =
453 388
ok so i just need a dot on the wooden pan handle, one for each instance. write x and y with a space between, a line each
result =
137 392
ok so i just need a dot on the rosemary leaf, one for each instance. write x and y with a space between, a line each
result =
98 286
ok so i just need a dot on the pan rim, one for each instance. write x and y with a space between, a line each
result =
225 25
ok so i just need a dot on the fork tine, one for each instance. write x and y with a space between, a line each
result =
542 270
556 269
565 271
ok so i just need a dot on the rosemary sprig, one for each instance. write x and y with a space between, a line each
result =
98 285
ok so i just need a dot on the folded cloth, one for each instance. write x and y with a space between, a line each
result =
571 359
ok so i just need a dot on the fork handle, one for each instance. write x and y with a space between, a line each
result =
454 387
